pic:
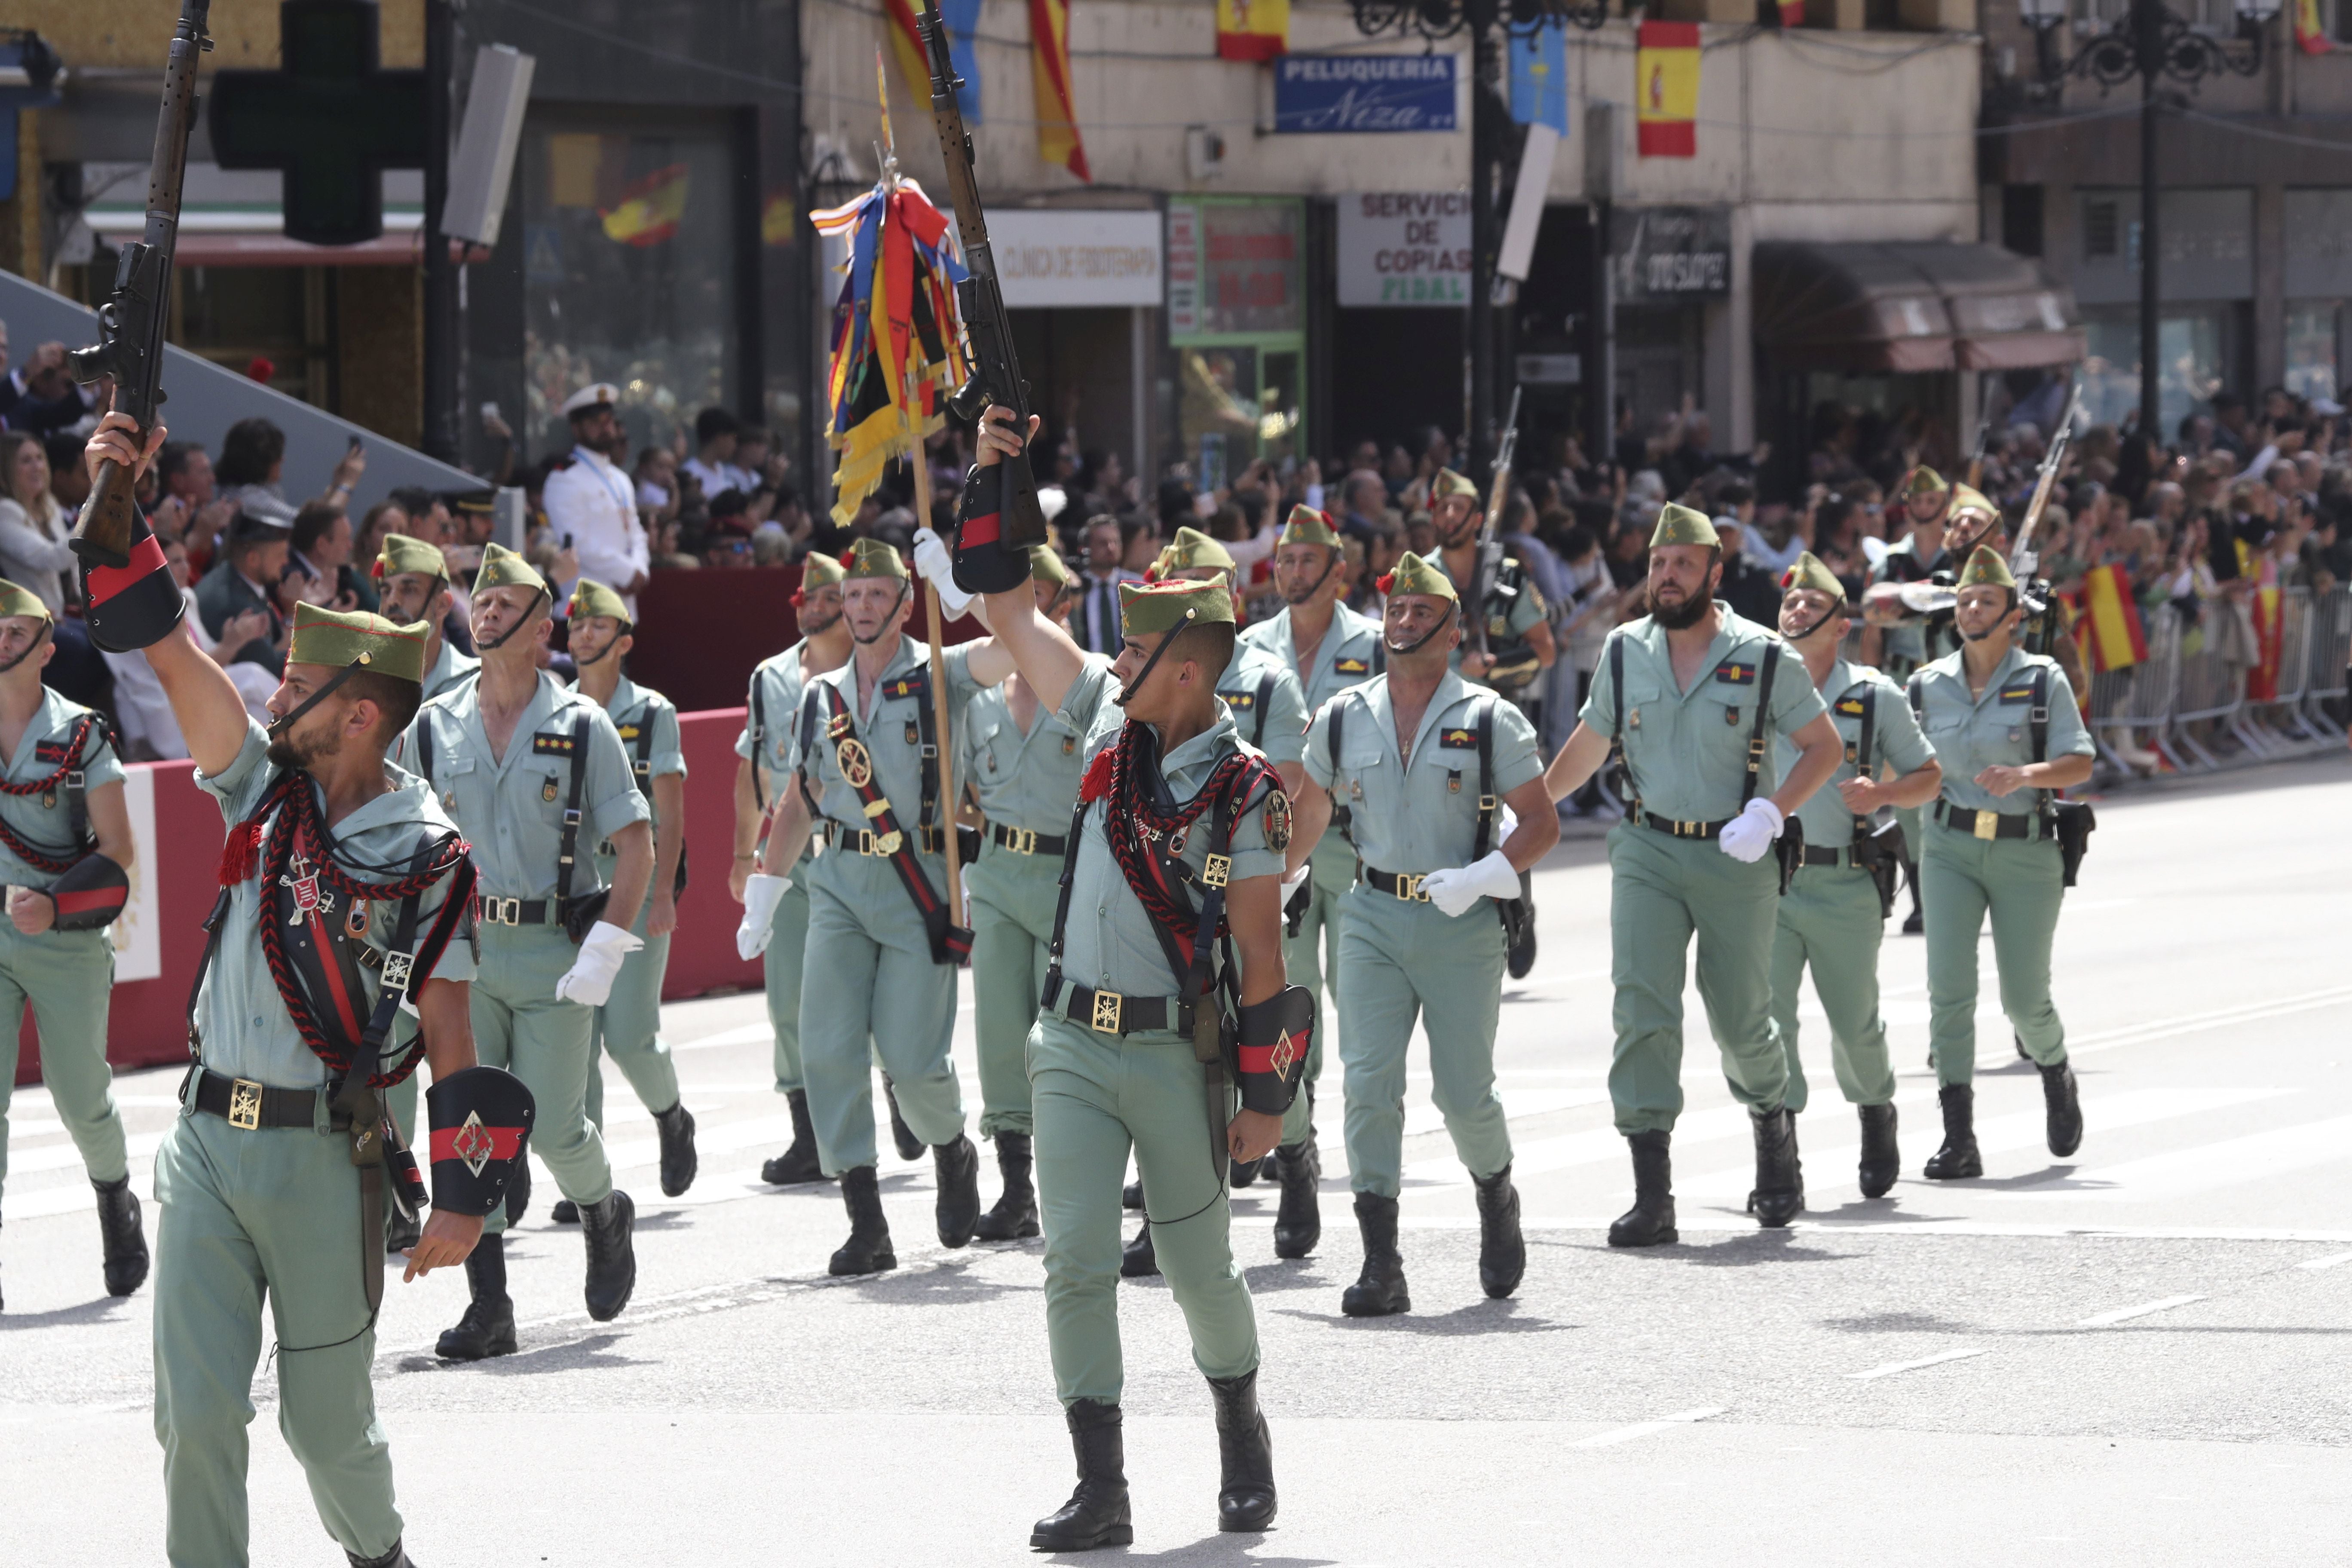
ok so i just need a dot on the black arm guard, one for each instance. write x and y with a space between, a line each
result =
1269 1058
984 563
481 1124
90 894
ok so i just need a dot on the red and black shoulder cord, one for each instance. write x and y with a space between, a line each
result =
1148 842
41 857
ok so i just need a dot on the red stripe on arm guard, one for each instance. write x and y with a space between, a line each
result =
466 1142
1270 1052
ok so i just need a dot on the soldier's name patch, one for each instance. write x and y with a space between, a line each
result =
1736 674
1849 705
1344 666
2023 693
547 745
1458 739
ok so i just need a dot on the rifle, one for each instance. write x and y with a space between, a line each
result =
995 372
1976 459
130 346
2021 559
1490 544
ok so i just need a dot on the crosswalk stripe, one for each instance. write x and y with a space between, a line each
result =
1891 1368
2126 1315
2232 1162
1644 1428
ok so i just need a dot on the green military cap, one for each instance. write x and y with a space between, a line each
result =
1986 568
1969 501
1047 566
502 568
819 572
1681 525
1148 608
17 600
1414 576
334 638
1923 480
590 600
1449 483
1309 526
1191 551
401 554
1809 573
872 558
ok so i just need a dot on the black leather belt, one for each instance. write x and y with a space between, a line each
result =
247 1106
1109 1013
1684 829
1403 885
1818 856
518 911
1023 841
865 841
1985 824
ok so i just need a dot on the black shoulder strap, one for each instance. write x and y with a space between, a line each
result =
424 743
1624 763
919 685
758 705
1380 652
643 765
1756 745
1484 840
2037 724
1866 691
1918 695
569 853
1265 696
1343 814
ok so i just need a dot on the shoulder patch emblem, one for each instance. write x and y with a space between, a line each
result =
1736 674
543 744
629 731
857 766
1346 665
1849 705
52 752
1458 739
1277 821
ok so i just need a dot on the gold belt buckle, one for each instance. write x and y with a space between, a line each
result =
1988 824
1690 830
245 1105
1020 840
1107 1010
1408 887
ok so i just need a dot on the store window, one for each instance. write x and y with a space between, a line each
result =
1237 323
2192 350
2314 331
628 272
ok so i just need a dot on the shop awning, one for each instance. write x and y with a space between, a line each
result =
1909 306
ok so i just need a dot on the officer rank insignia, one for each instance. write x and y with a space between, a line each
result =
1277 821
2022 692
1244 700
1736 674
1459 740
1345 666
546 745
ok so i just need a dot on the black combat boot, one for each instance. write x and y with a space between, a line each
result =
1137 1261
798 1164
957 1209
1096 1513
679 1162
1780 1195
125 1248
487 1329
1502 1250
1241 1173
1521 956
1299 1222
401 1232
2064 1112
1131 1197
867 1250
565 1212
909 1146
1916 922
395 1558
1379 1290
517 1194
1245 1455
1015 1217
1881 1161
1651 1221
609 1228
1957 1159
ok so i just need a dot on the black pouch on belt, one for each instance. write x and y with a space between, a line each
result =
1790 848
2075 821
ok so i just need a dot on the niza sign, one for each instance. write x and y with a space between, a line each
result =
1404 248
1324 94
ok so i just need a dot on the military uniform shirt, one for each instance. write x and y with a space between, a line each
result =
892 733
1688 750
1508 620
1032 781
246 1031
1894 739
1268 706
449 671
1109 943
1348 655
511 809
1970 734
1906 645
633 707
39 755
772 708
1421 814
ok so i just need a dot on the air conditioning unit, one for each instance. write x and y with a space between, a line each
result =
1204 153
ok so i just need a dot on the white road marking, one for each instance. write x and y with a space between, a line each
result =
2328 1262
1891 1368
2126 1315
2200 1167
2191 1023
1644 1428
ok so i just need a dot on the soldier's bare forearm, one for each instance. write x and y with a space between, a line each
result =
1539 828
1821 752
204 700
632 873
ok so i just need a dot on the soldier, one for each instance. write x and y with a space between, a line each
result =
1328 647
1689 697
1833 915
1426 763
781 938
1180 829
65 847
2007 732
334 968
628 1026
1903 645
536 775
412 586
865 749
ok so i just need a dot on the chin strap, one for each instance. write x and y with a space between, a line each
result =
886 617
580 663
1414 647
1825 618
30 649
1132 686
1316 587
282 728
508 635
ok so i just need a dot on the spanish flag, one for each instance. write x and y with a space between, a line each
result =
2110 629
1252 30
2270 640
649 211
1665 89
2310 32
1049 68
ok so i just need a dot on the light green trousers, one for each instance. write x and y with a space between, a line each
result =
270 1214
1311 958
1664 891
67 976
2020 881
781 967
1830 919
1013 899
520 1025
1399 961
628 1028
1098 1096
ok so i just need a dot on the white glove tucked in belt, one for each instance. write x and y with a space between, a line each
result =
1749 835
1457 889
589 980
761 894
933 560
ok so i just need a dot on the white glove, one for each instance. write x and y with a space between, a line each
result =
761 893
1291 880
1749 835
1457 889
589 980
1507 822
937 567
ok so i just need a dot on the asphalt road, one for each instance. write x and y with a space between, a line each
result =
2136 1356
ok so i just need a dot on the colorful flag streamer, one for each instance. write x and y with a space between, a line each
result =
1252 30
1539 77
1665 90
962 19
1049 67
2310 30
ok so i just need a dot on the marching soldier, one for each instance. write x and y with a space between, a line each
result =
1833 915
780 936
1426 763
1906 644
1328 647
628 1026
2008 735
65 845
536 775
1690 696
1180 829
865 750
